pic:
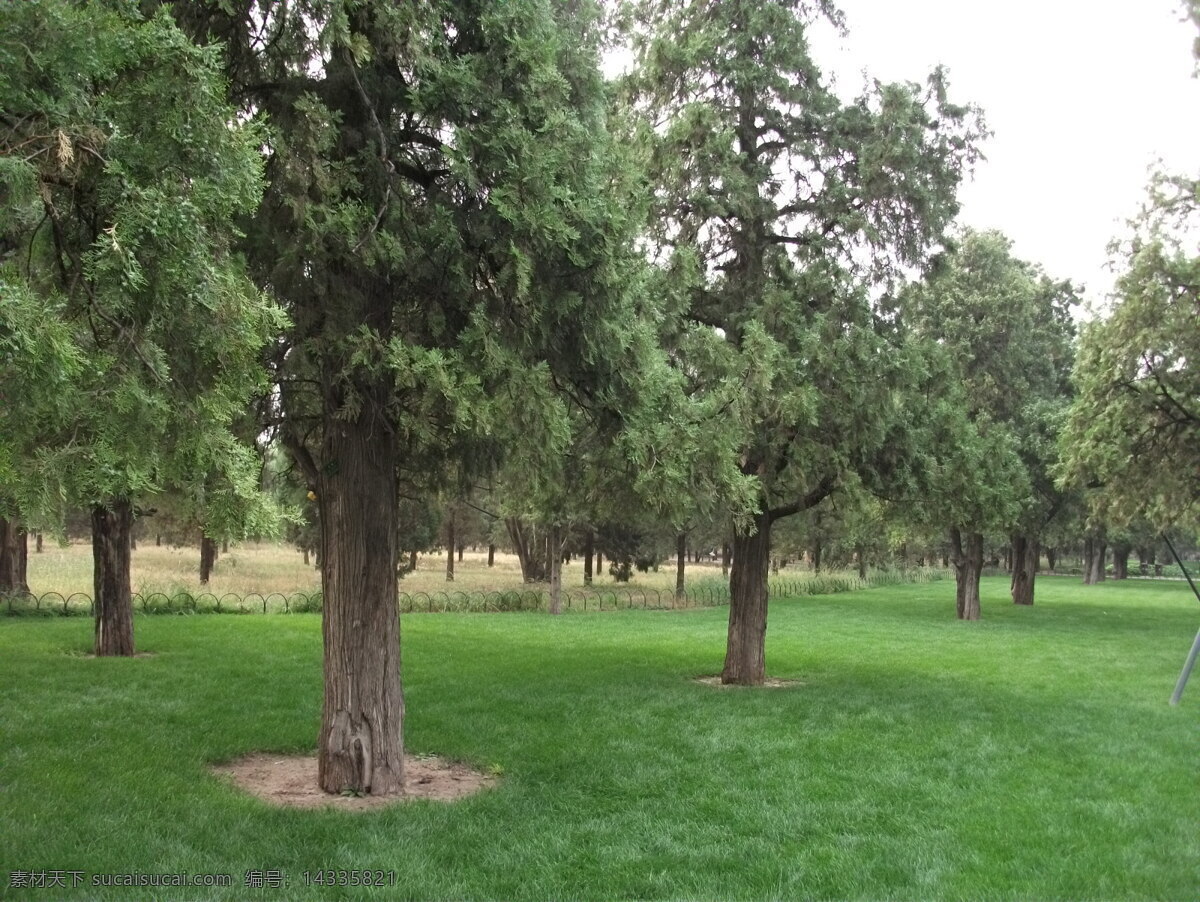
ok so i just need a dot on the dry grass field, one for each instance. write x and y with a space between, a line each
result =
266 568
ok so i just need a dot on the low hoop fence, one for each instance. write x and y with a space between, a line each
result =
528 599
703 594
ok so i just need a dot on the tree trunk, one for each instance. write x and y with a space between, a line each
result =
589 551
208 557
554 543
451 538
37 545
531 556
726 557
1051 558
361 746
491 555
1025 554
461 549
158 542
412 560
816 556
680 562
112 526
1121 551
14 559
1095 549
224 546
968 566
304 551
860 554
745 651
599 562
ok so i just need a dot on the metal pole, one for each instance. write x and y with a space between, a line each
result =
1195 652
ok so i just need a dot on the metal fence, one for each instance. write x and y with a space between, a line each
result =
532 599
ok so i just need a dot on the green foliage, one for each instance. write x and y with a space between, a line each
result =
121 229
1134 431
778 210
1003 331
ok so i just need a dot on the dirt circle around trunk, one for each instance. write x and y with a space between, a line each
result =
768 683
290 781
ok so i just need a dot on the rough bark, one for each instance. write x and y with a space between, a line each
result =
589 551
1095 550
530 552
112 527
208 558
1025 552
14 559
745 653
680 562
968 566
554 543
1121 552
360 748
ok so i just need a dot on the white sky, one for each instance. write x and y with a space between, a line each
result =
1082 95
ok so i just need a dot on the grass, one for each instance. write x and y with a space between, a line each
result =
1031 755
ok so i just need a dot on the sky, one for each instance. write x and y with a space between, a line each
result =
1082 96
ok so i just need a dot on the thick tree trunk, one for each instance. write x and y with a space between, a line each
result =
14 559
361 747
451 537
816 556
726 557
1025 554
112 525
1095 549
745 653
680 562
530 552
491 555
968 566
589 551
554 545
1121 551
208 557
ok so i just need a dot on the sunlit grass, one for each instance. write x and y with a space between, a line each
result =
1031 755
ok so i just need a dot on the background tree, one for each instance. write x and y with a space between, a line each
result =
1134 430
1006 331
778 205
122 226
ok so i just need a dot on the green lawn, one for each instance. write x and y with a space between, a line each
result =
1028 756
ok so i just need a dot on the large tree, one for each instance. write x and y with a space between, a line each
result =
1134 430
121 223
779 208
445 222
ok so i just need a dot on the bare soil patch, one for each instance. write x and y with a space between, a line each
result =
291 781
768 683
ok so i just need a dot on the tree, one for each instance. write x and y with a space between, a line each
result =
1134 430
122 227
445 223
1005 328
778 208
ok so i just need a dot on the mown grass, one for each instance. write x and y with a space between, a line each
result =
1028 756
